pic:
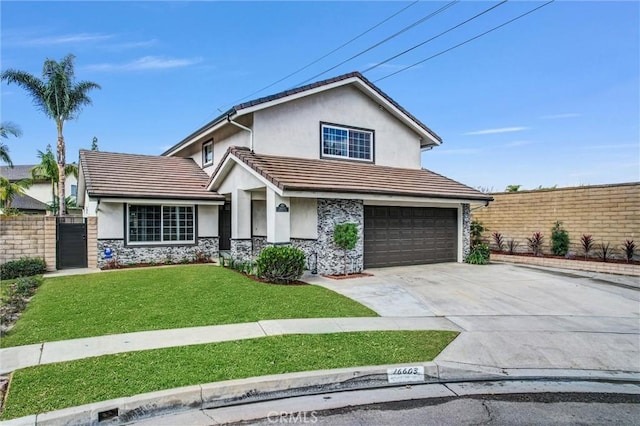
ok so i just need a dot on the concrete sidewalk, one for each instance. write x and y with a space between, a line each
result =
17 357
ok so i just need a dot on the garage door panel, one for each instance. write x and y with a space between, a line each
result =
395 236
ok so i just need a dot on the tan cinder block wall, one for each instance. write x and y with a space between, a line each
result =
609 213
28 236
92 242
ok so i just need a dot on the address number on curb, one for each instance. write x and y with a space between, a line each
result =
405 374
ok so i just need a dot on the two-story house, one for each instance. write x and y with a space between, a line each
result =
285 169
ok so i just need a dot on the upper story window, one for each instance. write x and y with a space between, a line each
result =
346 142
207 154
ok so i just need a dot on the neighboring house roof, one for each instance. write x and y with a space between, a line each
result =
17 172
25 202
298 174
114 175
319 84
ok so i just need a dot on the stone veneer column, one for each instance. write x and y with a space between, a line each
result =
330 257
242 249
466 231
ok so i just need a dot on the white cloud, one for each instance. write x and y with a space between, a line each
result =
496 131
557 116
132 45
146 63
64 39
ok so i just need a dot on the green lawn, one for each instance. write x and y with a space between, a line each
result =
160 298
55 386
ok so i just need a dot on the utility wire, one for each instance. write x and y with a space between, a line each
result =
465 42
407 28
434 37
324 56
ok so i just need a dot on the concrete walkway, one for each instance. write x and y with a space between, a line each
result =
17 357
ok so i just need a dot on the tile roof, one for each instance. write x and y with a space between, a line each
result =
25 202
112 175
298 174
300 89
17 172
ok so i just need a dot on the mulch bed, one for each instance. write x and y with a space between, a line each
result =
263 281
111 266
348 276
577 258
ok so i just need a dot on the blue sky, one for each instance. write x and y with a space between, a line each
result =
551 99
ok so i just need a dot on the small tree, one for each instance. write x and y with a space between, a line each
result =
7 128
9 190
476 233
345 236
94 144
512 188
559 240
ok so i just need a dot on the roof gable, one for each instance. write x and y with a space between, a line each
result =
430 138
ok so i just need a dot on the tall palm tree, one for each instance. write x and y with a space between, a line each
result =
47 170
7 128
8 190
60 98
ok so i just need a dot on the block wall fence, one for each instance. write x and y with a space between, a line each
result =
609 213
35 236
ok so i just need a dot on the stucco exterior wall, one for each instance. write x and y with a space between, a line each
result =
41 191
238 178
609 213
208 221
304 218
110 220
292 129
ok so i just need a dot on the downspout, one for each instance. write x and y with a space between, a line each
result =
243 128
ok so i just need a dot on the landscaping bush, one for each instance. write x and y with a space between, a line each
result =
629 249
25 267
605 251
499 240
535 243
476 232
512 245
559 240
587 244
479 255
345 235
282 265
26 286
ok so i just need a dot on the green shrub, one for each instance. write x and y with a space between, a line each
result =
479 255
26 286
476 233
281 264
559 240
345 235
25 267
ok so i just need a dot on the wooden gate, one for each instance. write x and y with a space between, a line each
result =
71 244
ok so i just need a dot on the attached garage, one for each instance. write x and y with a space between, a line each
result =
398 236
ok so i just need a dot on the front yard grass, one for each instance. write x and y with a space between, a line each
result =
56 386
161 298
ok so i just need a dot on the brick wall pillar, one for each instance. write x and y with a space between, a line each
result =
92 242
50 241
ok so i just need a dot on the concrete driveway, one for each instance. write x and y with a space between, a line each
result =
512 316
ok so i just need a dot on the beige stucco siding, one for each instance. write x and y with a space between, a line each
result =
41 191
259 218
304 218
207 221
293 128
110 221
238 178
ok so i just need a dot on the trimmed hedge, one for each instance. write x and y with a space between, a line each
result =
281 264
24 267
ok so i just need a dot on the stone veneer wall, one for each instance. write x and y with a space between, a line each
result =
259 243
609 213
156 254
242 249
309 247
330 257
466 231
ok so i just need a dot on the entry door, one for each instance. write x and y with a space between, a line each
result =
71 243
224 225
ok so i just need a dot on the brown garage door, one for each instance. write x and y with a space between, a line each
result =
395 236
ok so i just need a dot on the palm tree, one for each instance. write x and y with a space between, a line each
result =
7 128
8 190
60 98
48 170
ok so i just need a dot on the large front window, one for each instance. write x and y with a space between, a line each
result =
345 142
158 224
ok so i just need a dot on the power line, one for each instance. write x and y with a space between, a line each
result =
407 28
325 55
465 42
434 37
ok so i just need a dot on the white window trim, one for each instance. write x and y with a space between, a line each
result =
161 242
204 145
346 157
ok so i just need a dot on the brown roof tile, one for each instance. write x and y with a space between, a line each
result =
109 174
297 174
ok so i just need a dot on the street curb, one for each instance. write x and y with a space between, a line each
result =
265 388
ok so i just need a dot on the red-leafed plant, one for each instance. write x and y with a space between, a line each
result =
535 243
